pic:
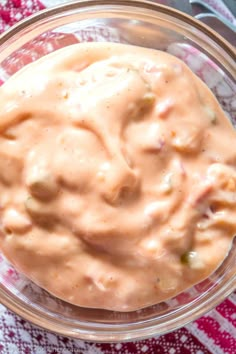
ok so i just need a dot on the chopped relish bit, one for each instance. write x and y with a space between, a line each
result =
149 99
187 256
212 115
192 259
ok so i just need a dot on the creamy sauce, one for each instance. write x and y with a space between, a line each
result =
117 176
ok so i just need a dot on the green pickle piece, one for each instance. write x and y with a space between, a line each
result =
187 257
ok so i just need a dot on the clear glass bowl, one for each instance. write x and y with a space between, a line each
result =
150 25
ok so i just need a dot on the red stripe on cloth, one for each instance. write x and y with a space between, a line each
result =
12 11
177 342
228 310
220 337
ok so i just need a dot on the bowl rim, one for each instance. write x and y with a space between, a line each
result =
114 333
75 4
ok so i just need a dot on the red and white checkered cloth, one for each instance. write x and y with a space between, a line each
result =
213 333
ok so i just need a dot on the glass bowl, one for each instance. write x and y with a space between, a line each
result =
149 25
